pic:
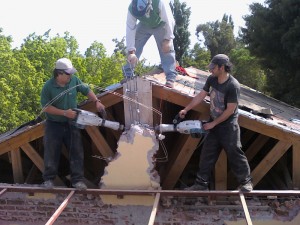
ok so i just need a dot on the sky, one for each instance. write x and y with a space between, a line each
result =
103 20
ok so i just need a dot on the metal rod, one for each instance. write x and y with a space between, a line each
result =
32 189
154 209
60 209
246 211
3 191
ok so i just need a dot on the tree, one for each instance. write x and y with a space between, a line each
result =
218 36
197 57
182 35
247 69
120 46
272 34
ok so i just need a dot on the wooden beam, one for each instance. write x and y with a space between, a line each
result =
271 131
179 99
16 162
181 154
32 133
255 146
99 141
296 165
221 172
109 99
269 160
33 155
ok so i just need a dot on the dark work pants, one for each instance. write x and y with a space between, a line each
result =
227 137
57 134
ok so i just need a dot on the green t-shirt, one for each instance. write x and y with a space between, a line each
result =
65 97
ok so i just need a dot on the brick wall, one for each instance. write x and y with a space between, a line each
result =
25 209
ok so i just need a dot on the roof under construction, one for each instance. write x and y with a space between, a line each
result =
270 135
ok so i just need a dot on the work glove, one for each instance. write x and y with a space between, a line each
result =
166 45
132 59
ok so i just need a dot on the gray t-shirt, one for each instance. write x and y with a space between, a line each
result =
221 94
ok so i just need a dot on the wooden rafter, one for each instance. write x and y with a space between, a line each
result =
264 129
269 160
255 146
17 166
99 141
296 165
16 141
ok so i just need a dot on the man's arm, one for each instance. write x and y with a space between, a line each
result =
130 32
196 100
167 16
93 98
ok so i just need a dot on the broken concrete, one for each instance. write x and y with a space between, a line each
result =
133 167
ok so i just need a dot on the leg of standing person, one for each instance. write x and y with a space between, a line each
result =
53 140
236 157
168 60
209 155
73 141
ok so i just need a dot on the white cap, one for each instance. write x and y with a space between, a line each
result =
65 65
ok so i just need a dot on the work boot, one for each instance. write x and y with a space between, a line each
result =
197 187
246 187
48 184
79 185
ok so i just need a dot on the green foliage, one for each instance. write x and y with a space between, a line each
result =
218 36
182 35
247 69
197 57
272 34
24 71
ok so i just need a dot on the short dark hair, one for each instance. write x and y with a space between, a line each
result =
56 72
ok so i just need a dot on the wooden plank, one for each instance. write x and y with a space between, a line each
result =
255 146
221 172
270 159
246 211
32 133
17 166
144 97
271 131
179 99
109 99
63 205
296 165
154 209
33 155
130 106
181 154
99 141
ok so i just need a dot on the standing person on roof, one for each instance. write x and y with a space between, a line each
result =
58 98
223 128
155 18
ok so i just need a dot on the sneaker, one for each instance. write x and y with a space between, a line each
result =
170 84
48 184
246 187
80 185
197 187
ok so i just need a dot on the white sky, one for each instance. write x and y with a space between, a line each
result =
102 20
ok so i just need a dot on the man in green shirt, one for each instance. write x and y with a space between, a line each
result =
58 98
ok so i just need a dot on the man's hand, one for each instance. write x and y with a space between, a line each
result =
182 113
132 59
166 46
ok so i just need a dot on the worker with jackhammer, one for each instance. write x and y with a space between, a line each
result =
223 131
58 99
155 18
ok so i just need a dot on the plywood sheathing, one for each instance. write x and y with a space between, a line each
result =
133 167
